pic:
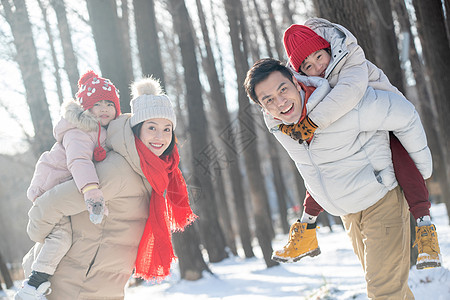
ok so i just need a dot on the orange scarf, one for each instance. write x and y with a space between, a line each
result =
167 214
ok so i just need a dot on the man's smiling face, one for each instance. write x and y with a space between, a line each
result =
280 97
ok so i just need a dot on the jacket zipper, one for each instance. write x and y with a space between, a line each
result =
336 63
307 148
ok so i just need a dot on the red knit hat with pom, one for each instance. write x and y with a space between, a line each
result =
299 42
93 88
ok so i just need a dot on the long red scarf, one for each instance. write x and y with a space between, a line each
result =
167 214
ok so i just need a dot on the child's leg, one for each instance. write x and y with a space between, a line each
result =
416 194
311 211
302 236
47 257
410 179
55 246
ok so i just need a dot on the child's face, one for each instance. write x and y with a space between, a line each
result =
280 97
316 63
156 134
104 111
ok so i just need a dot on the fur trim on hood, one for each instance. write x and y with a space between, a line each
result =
75 114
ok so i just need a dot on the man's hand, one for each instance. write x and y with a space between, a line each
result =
302 131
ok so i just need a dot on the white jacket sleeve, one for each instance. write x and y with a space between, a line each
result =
346 94
381 110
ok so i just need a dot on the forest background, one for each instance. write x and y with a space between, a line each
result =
242 184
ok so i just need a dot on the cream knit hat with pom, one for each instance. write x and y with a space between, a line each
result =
149 102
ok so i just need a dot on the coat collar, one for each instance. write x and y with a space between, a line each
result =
322 88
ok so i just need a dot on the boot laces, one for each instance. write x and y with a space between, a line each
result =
425 238
293 233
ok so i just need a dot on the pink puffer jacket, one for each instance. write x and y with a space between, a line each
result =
71 156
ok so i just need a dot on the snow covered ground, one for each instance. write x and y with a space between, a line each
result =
335 274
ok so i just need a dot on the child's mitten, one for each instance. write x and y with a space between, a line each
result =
95 205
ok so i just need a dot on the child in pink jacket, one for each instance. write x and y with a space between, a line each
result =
80 136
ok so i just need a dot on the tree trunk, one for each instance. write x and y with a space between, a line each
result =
217 44
436 52
278 181
425 103
247 135
124 27
28 62
447 17
252 47
108 39
70 59
186 246
147 39
53 52
5 273
386 52
275 30
173 64
299 184
228 143
212 234
288 15
247 113
262 27
223 209
352 14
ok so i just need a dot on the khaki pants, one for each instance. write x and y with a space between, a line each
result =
380 237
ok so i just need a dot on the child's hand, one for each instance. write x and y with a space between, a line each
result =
95 205
302 131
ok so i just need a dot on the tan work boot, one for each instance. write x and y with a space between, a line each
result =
302 242
428 245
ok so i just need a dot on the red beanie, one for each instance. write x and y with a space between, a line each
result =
93 88
300 41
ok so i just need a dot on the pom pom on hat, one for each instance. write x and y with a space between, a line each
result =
85 77
146 86
149 102
93 88
300 41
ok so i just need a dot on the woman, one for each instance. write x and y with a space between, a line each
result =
102 257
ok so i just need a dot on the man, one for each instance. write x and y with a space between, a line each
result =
347 168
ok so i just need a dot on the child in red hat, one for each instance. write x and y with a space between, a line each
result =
321 48
80 137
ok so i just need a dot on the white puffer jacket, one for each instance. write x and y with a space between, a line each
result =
349 73
347 167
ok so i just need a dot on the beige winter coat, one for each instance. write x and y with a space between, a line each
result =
102 257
